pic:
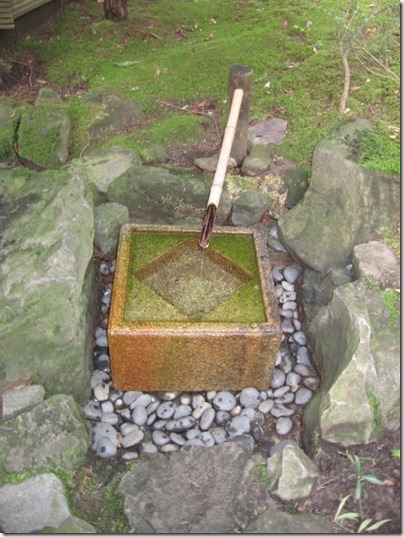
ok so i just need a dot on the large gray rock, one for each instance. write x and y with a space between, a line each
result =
280 522
108 219
378 262
36 504
195 490
249 207
43 133
47 282
344 205
292 475
102 166
258 161
166 195
52 434
356 343
17 401
112 114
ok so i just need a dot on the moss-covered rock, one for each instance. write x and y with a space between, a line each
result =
356 344
344 205
47 282
43 133
166 195
51 435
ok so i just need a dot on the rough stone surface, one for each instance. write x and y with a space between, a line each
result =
17 401
75 525
297 180
258 161
108 219
112 115
43 133
24 510
195 490
345 205
270 131
249 207
209 164
280 522
47 282
166 195
102 166
52 433
377 261
356 344
292 474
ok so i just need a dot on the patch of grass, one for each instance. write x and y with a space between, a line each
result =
392 301
380 153
182 52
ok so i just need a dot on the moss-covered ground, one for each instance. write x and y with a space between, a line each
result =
181 52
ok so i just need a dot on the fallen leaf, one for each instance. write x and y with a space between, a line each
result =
212 21
40 81
315 50
157 72
309 24
355 88
288 90
127 63
209 37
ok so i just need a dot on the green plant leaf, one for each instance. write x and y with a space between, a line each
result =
358 490
378 524
396 452
341 505
372 479
357 464
364 524
348 516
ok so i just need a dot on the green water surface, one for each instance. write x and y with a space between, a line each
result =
144 305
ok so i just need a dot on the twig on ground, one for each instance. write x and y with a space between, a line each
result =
192 113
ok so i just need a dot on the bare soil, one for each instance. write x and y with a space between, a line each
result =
379 502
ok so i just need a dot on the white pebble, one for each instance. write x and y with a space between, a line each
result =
160 438
139 415
166 410
200 409
283 426
101 392
132 439
265 406
250 397
224 401
207 419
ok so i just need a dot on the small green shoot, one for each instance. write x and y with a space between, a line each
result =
366 524
396 453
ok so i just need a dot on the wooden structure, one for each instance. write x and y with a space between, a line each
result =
10 10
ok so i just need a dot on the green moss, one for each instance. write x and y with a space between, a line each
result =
143 304
376 416
380 153
261 470
392 301
182 52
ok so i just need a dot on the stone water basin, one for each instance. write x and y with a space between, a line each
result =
183 319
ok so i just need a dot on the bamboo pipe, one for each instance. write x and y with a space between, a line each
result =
218 179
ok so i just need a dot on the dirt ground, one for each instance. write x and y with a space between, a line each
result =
337 478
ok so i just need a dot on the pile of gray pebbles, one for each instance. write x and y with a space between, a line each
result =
127 424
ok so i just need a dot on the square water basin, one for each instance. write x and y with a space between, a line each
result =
187 319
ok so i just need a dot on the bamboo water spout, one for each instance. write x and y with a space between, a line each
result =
218 180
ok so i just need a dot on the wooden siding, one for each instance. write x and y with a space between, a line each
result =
12 9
